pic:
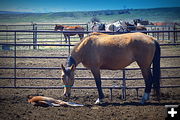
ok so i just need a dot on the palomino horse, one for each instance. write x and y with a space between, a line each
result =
70 28
114 52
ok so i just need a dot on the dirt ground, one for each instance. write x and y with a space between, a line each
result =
14 106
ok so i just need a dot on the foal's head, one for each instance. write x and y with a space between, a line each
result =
68 79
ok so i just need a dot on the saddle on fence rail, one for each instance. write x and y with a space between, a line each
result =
48 101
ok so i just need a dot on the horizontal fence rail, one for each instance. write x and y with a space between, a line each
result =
15 57
86 32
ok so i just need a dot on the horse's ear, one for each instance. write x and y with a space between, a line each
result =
63 68
73 67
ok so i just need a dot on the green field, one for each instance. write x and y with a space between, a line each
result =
156 14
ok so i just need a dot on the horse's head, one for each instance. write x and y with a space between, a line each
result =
95 26
59 27
68 79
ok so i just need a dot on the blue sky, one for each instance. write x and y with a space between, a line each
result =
81 5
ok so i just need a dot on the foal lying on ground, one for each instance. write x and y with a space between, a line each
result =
48 101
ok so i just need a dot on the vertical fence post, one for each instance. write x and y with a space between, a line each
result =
6 47
124 85
61 38
153 34
69 46
34 36
177 33
174 33
113 30
87 27
157 34
163 33
137 93
169 37
15 59
111 94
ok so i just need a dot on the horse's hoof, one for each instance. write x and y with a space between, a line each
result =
145 98
142 101
99 101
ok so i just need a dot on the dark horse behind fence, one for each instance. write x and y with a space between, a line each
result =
70 28
114 52
138 27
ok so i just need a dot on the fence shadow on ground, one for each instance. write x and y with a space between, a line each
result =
106 104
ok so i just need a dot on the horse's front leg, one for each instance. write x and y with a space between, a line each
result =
97 77
81 36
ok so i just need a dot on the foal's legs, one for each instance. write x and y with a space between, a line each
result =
97 77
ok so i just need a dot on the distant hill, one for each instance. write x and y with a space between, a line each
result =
155 14
12 12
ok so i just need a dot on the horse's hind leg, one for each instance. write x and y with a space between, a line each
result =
65 36
146 73
148 84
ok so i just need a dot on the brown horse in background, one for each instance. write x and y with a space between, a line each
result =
165 23
160 23
70 28
114 52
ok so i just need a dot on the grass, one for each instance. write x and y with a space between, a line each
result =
159 14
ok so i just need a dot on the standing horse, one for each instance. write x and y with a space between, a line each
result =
114 52
97 26
142 22
116 26
138 27
70 28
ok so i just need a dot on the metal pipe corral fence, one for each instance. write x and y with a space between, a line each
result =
14 34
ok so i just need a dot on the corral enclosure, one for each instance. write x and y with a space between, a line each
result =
31 56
